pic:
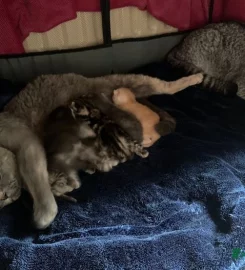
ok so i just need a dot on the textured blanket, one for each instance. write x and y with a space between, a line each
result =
182 208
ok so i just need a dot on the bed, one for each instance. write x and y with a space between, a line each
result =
183 207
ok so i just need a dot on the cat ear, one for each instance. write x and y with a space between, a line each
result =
116 93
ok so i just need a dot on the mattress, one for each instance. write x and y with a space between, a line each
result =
86 30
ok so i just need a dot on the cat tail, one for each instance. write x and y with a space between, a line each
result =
227 88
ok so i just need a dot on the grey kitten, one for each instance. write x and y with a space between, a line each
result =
69 145
22 121
217 51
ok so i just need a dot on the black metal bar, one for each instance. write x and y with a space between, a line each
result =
210 13
106 23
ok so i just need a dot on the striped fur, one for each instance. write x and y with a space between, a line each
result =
217 51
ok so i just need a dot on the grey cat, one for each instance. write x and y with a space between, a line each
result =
217 51
22 122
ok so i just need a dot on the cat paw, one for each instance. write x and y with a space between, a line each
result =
90 171
147 142
5 202
108 165
62 183
196 78
144 153
73 180
123 160
45 212
61 187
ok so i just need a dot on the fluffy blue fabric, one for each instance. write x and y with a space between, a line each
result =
182 208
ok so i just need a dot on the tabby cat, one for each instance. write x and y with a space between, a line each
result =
217 51
114 143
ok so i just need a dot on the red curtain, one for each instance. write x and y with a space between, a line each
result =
182 14
20 17
229 10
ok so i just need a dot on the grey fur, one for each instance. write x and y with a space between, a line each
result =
63 138
21 123
218 51
11 182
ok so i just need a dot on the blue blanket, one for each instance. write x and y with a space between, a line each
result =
182 208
